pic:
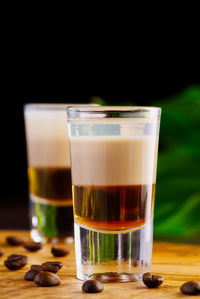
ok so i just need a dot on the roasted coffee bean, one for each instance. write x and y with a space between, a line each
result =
152 281
33 246
47 279
57 251
1 252
16 261
58 264
37 268
92 286
53 267
16 241
30 275
190 288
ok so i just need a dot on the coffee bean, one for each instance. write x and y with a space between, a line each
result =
1 252
16 261
53 267
47 279
92 286
37 268
57 251
30 275
33 246
58 264
16 241
190 288
152 281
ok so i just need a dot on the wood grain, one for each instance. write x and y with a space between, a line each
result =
177 262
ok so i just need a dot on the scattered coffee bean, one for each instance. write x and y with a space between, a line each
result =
30 275
16 241
92 286
57 251
152 281
33 246
53 267
47 279
16 261
1 252
190 288
37 268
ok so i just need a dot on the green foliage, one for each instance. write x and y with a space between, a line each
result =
177 208
46 216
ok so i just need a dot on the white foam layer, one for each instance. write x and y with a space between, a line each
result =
47 138
114 160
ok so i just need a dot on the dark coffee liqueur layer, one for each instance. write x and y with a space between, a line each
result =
50 182
112 207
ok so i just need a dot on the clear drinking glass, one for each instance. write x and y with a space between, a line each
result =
49 172
113 164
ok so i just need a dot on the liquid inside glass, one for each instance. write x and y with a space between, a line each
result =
113 181
112 207
114 161
49 173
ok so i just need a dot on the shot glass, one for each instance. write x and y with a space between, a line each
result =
113 166
49 172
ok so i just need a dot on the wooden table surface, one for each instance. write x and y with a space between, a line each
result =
176 262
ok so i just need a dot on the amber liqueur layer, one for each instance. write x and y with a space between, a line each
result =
50 183
113 207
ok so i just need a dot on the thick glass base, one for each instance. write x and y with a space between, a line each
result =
118 257
37 237
50 223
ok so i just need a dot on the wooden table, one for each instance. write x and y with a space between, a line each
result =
177 262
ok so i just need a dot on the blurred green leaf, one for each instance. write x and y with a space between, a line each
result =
46 216
177 208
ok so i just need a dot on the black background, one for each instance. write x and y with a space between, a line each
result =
42 88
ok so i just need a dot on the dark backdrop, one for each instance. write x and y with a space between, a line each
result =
14 191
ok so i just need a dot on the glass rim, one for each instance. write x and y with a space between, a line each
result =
98 112
51 106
